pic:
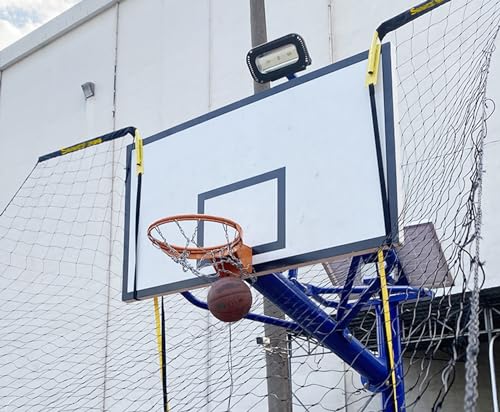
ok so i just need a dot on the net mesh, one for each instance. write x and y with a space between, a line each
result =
69 342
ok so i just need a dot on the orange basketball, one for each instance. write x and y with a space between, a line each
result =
229 299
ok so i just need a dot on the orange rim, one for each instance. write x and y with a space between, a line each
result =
197 252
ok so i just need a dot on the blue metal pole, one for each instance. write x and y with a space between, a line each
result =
269 320
398 358
360 304
285 295
349 283
387 392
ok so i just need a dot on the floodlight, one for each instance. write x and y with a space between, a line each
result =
88 89
279 58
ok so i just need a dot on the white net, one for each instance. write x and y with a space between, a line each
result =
69 342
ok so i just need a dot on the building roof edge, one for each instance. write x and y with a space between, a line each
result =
52 30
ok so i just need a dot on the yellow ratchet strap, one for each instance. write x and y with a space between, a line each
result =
373 60
387 322
158 331
139 153
159 340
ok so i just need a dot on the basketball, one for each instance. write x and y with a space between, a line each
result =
229 299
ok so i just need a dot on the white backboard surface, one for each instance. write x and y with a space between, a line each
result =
295 166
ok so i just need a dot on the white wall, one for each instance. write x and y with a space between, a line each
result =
177 60
41 102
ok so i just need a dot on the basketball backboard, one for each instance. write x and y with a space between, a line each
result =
295 166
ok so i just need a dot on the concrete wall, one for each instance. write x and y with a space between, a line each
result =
41 104
157 63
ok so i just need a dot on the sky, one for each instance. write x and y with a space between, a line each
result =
19 17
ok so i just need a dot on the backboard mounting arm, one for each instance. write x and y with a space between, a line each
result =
292 301
269 320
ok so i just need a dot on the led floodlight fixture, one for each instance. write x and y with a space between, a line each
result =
279 58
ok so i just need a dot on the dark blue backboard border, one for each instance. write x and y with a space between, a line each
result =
279 175
299 260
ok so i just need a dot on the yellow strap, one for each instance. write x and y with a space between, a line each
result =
81 146
425 7
158 332
387 322
373 61
139 153
158 340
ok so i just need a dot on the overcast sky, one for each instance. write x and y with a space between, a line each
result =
19 17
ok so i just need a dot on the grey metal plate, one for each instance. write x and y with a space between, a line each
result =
421 257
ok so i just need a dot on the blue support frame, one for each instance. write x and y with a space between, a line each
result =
360 304
388 392
396 349
295 299
291 326
292 301
349 283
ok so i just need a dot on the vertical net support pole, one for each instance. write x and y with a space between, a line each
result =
371 81
388 332
159 318
139 163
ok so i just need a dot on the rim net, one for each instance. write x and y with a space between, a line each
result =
182 239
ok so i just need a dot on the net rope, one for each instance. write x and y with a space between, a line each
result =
70 343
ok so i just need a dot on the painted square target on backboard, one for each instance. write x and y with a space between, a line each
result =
295 166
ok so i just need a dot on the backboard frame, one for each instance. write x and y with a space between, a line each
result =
362 246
